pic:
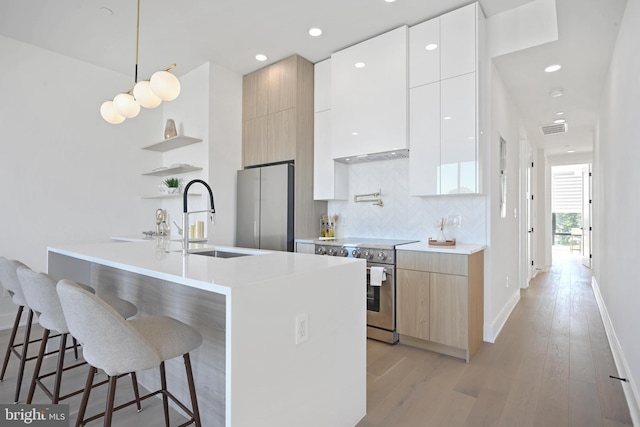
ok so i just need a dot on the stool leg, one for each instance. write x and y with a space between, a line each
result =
85 396
108 412
165 400
61 351
192 390
23 358
12 339
75 348
134 381
36 371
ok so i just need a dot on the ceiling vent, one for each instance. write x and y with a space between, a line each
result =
554 128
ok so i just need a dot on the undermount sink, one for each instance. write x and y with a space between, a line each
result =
216 253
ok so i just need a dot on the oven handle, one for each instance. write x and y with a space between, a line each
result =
385 270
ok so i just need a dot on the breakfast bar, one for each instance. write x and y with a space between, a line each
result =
256 365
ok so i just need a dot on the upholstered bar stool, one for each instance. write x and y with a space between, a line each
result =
39 290
120 346
9 280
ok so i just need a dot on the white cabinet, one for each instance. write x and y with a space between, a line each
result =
424 53
330 178
458 41
443 117
369 96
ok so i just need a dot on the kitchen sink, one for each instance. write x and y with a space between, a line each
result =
216 253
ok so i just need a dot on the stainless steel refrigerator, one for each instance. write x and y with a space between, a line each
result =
265 207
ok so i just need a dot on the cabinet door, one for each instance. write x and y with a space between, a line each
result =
449 314
282 84
330 178
424 53
369 104
412 296
322 86
458 157
458 42
254 141
424 136
305 248
254 94
281 136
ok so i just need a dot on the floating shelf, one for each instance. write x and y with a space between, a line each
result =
171 170
172 143
170 196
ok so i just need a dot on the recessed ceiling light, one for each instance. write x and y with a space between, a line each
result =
389 1
261 57
446 118
360 64
556 93
558 121
431 46
315 32
354 133
571 151
552 68
559 113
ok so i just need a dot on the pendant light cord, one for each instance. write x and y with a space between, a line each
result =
137 41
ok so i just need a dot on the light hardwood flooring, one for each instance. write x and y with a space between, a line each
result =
550 366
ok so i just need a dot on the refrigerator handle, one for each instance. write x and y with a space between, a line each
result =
256 235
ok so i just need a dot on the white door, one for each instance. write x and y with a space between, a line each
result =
529 213
586 216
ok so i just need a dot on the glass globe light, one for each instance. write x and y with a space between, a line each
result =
109 113
165 85
126 105
144 95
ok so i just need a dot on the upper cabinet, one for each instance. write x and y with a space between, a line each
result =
369 96
322 86
444 125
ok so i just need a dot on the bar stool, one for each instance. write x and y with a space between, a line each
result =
39 290
10 282
120 346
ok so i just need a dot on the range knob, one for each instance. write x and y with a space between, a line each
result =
368 255
321 250
332 251
344 252
356 253
382 256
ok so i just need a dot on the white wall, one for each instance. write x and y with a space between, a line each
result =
616 229
502 262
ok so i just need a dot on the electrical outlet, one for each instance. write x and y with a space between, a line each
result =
302 328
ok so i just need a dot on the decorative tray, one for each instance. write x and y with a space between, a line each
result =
445 243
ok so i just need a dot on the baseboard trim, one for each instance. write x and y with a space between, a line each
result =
492 331
629 388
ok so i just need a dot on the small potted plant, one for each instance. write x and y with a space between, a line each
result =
173 185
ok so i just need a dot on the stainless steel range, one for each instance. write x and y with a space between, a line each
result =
381 300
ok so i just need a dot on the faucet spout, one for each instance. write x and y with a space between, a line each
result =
185 212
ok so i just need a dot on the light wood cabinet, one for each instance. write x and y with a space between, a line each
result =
440 301
369 96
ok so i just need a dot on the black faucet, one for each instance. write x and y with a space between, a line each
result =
185 213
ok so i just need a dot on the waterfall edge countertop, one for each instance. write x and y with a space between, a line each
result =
163 259
459 248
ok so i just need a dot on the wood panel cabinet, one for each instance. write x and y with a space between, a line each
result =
440 301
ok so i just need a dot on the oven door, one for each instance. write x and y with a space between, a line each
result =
381 304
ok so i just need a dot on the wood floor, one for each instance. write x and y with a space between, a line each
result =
550 366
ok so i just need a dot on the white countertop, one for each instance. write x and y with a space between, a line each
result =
459 248
164 260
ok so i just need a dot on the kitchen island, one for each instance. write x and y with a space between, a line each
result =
254 367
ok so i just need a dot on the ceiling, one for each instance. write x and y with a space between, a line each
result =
231 32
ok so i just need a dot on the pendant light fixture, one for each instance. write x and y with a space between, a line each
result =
163 86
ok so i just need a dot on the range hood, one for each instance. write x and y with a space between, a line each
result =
374 157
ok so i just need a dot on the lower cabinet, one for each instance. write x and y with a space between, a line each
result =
440 301
305 248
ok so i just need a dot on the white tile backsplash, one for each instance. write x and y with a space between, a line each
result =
403 216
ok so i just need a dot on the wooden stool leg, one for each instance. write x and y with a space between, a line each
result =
12 339
136 392
58 381
75 348
85 396
165 400
192 390
23 358
36 371
108 413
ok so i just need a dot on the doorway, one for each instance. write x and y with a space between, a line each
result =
571 212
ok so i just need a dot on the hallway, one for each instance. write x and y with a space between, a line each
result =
550 366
